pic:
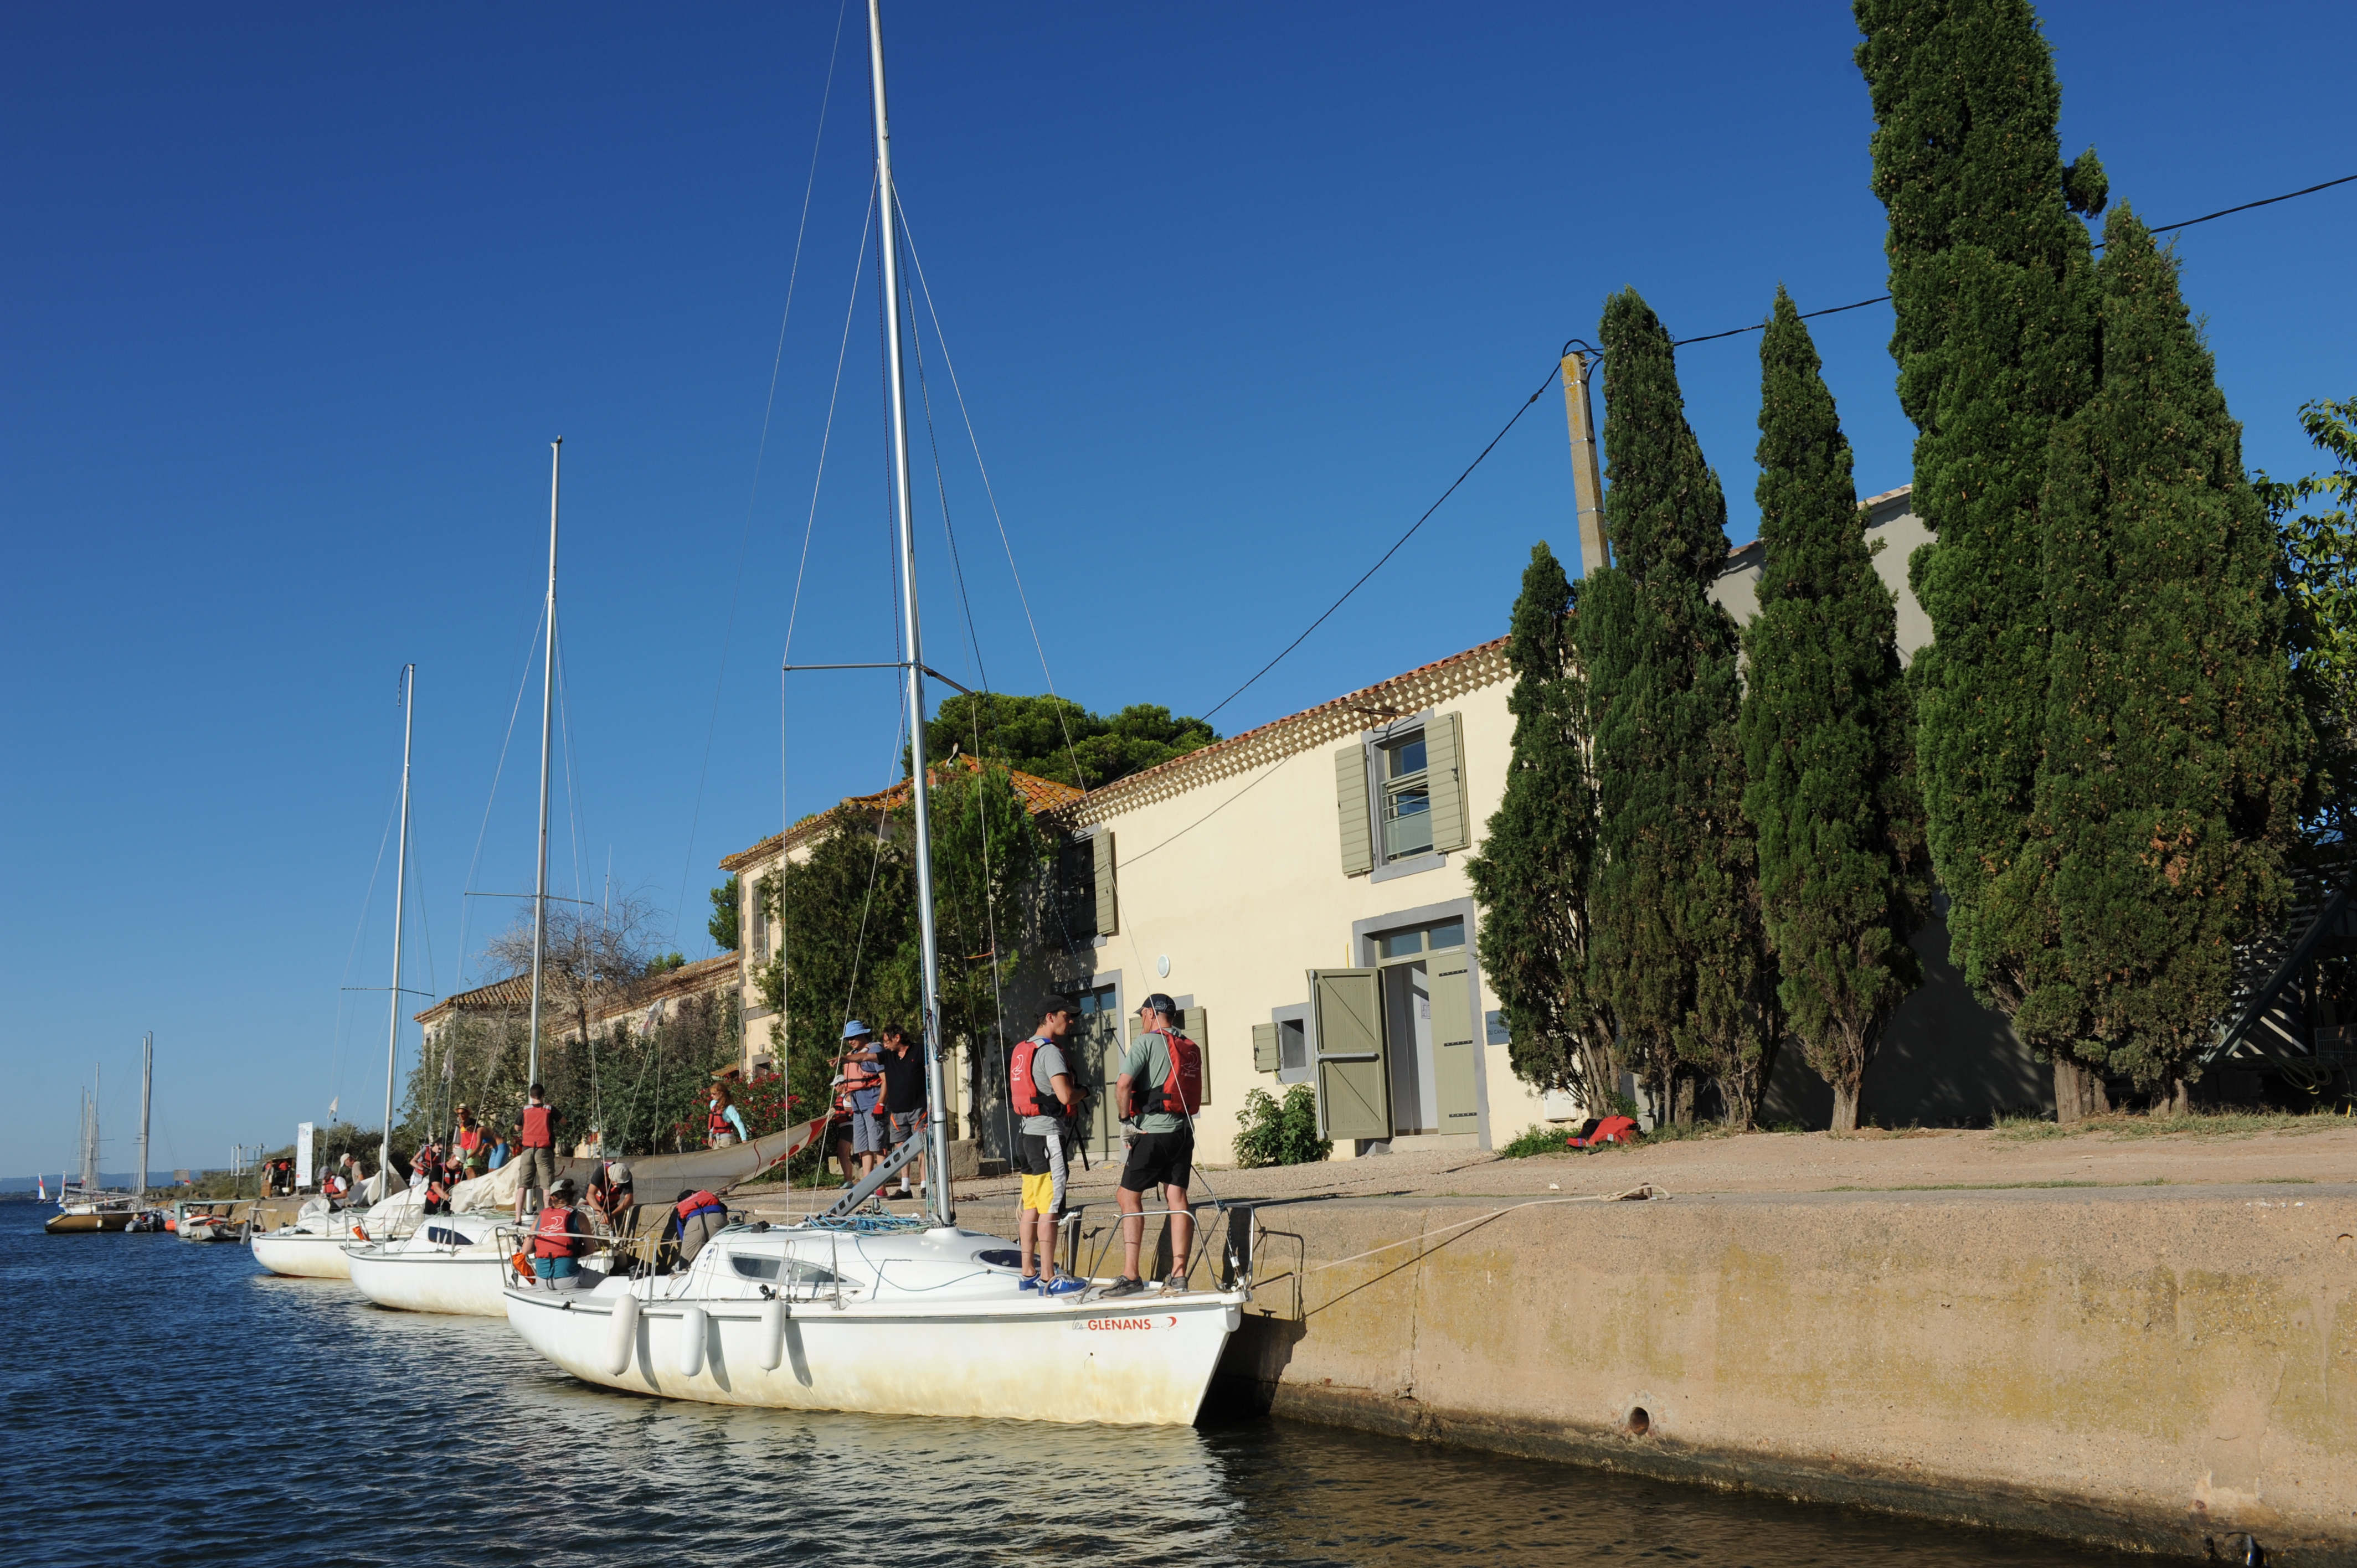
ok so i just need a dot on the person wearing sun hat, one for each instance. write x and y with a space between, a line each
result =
866 1087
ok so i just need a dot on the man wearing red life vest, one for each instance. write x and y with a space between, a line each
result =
1039 1082
1158 1091
537 1156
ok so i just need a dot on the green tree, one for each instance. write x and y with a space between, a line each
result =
1828 737
1991 283
2174 750
1532 876
2319 584
723 925
1677 951
1054 737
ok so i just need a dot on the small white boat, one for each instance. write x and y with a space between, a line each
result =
312 1246
907 1322
451 1263
214 1220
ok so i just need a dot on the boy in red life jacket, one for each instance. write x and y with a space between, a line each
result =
1160 1090
557 1236
1039 1082
537 1155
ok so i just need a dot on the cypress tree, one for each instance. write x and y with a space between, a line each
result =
1828 737
1991 283
1531 878
2175 753
1676 953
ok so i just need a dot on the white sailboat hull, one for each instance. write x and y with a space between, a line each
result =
301 1254
992 1353
456 1264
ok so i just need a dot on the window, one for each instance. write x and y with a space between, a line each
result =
1400 797
1407 797
1434 938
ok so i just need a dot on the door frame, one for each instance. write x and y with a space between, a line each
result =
1362 948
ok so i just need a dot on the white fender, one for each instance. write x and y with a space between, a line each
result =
622 1336
691 1344
773 1334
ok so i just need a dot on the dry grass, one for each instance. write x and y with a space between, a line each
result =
2201 1124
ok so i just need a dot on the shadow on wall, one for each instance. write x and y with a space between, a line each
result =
1947 1061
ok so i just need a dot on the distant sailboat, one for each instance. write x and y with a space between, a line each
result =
86 1208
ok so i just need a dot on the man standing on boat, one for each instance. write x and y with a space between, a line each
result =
901 1105
1160 1086
1039 1082
537 1156
865 1088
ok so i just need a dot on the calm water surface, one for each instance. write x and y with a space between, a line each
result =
172 1405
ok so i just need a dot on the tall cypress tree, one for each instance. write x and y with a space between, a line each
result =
2174 747
1677 952
1532 876
1828 736
1991 283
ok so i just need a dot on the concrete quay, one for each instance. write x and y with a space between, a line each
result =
2161 1368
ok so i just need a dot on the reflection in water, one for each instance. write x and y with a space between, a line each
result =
186 1409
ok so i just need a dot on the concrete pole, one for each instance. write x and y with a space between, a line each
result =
1586 475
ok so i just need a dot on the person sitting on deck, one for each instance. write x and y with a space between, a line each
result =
559 1237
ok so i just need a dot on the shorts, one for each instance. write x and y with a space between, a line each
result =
1159 1159
866 1133
539 1168
1040 1157
900 1127
724 1140
553 1268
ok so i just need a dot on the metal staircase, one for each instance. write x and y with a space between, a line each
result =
2268 1019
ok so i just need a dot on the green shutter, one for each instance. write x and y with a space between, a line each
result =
1350 801
1346 1025
1455 1084
1444 756
1268 1054
1108 902
1196 1024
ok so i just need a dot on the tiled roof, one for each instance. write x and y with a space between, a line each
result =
515 991
1420 689
1039 794
1887 496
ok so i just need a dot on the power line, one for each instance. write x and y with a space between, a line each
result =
1676 343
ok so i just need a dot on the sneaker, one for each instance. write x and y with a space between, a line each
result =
1029 1282
1124 1286
1064 1284
1175 1283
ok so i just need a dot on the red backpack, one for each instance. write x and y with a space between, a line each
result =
1180 1094
1023 1088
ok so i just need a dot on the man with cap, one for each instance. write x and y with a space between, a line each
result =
538 1155
866 1087
636 1227
1156 1072
559 1235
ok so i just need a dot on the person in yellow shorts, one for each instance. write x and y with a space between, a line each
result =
1039 1082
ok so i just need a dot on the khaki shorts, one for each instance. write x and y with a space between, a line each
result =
539 1166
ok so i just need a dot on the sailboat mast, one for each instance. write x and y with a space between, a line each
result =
90 1148
146 1092
938 1189
400 888
547 698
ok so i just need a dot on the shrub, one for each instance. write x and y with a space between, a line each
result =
1280 1133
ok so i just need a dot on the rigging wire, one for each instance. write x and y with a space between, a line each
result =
474 863
760 452
359 929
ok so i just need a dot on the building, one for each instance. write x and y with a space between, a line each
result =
640 1006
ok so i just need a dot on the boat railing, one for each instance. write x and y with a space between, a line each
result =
1199 1243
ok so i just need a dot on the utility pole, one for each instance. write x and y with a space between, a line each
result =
1586 476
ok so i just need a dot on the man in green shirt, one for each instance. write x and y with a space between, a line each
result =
1162 1154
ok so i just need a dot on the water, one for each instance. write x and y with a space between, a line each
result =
171 1404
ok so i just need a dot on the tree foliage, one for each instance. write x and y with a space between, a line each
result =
1533 873
1829 739
1280 1131
2319 570
2174 752
1677 951
727 902
595 955
1991 284
1054 737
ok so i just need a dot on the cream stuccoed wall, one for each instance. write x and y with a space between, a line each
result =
1238 882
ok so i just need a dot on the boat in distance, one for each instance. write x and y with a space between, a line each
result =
905 1322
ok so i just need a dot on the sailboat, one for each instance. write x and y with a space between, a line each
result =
314 1246
878 1312
86 1208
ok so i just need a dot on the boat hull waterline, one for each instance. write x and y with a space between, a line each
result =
449 1265
304 1254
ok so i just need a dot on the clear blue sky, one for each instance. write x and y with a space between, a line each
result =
297 297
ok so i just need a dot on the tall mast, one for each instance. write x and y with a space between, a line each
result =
938 1189
90 1143
147 1092
400 887
547 695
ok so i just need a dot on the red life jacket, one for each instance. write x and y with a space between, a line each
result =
552 1238
1610 1130
536 1132
694 1203
1180 1094
1024 1088
470 1139
716 1120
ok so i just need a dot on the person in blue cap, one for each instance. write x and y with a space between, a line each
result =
855 1071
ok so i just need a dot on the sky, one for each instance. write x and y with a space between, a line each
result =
296 298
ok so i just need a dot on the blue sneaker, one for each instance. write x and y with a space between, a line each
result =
1064 1285
1029 1282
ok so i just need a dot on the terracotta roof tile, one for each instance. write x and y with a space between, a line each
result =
1039 794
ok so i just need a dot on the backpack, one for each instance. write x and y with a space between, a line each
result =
1181 1093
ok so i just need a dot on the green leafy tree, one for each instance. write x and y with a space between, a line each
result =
1677 951
1532 876
1828 738
1054 737
2319 584
1280 1131
723 925
2175 753
1991 283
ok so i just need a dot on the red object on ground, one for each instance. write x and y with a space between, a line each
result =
1612 1130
